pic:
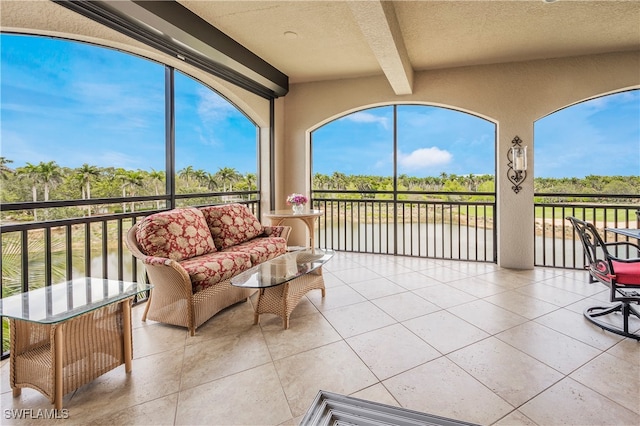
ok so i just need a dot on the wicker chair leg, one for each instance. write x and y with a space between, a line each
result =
146 308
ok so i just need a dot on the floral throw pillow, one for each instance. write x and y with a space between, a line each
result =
175 234
231 224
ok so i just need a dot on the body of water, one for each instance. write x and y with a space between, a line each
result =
438 241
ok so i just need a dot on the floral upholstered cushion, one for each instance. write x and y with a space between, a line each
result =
231 224
206 271
175 234
262 249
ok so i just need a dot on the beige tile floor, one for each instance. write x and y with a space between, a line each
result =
462 340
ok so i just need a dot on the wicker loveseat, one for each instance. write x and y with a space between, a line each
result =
190 255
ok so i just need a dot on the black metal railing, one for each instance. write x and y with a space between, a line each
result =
556 243
37 254
446 225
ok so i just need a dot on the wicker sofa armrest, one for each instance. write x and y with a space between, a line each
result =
172 289
277 231
153 260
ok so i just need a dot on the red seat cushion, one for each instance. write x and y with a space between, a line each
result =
208 270
627 273
261 249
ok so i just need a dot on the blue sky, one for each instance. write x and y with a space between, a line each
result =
574 142
73 103
596 137
431 141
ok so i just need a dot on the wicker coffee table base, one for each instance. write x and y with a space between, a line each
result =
281 300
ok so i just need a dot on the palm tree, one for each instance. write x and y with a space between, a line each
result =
339 180
84 175
213 181
4 169
157 177
251 180
186 173
364 186
227 174
200 176
49 175
403 179
12 265
31 171
320 181
472 182
129 178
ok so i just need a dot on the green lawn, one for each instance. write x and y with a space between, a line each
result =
600 214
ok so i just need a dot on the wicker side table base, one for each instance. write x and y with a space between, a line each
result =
56 359
281 300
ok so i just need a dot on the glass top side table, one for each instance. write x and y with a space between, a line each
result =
61 302
65 335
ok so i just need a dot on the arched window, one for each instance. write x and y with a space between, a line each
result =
216 144
426 147
587 165
81 121
407 179
590 147
78 121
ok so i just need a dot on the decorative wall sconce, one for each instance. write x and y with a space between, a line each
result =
517 157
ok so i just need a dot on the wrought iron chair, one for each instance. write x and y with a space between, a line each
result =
620 274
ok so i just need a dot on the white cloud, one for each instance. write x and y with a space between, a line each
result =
423 158
367 117
212 106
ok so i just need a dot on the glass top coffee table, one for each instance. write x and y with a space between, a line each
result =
284 280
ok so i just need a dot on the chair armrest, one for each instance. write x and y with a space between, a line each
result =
625 260
169 279
622 245
153 260
277 231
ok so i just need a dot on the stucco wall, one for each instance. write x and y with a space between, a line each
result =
512 95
